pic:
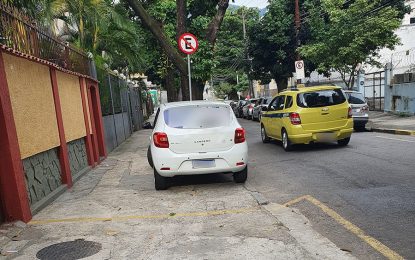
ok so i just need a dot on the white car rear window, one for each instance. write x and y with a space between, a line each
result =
197 117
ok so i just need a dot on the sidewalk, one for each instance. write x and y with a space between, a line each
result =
390 123
113 212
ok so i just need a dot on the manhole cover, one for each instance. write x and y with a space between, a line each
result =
70 250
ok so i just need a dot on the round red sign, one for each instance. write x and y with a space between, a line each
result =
188 43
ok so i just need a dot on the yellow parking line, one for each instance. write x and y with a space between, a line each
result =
161 216
377 245
295 201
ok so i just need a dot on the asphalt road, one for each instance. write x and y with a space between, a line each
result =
370 183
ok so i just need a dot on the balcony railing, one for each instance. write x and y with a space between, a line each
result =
19 32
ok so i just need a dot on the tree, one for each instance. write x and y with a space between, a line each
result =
231 63
196 14
272 44
346 35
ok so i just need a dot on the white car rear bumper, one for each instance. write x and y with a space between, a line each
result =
169 164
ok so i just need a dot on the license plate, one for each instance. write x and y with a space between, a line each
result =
326 137
198 164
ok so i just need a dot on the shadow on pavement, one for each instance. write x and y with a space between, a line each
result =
201 179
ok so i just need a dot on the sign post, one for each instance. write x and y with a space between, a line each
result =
188 44
299 70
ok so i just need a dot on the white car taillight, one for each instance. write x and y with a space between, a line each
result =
295 118
350 113
161 140
239 135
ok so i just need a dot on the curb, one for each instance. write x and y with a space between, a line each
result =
393 131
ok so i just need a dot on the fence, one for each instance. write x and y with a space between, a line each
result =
374 90
22 34
124 107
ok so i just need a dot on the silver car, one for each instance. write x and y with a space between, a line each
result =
360 109
257 112
248 108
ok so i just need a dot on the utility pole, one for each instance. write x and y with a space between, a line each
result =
251 87
297 31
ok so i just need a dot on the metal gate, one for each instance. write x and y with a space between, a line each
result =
374 90
136 114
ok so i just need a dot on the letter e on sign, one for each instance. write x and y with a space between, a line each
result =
188 43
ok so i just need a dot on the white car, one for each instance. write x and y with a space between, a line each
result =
197 137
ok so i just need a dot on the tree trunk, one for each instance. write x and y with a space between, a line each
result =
180 29
197 89
181 17
281 84
212 31
158 32
184 80
169 84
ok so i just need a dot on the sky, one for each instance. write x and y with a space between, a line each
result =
252 3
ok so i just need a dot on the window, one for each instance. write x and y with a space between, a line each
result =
412 20
280 102
355 98
321 98
266 101
289 102
273 104
197 117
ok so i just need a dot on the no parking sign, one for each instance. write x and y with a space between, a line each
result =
299 69
188 44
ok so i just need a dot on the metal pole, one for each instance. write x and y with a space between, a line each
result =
190 77
297 30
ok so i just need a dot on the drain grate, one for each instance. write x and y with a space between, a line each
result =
70 250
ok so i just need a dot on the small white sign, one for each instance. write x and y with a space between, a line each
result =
299 69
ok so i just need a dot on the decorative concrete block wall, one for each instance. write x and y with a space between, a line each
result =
43 174
78 160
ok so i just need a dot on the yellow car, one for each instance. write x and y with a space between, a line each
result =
307 115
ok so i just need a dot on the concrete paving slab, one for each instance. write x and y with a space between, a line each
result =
202 217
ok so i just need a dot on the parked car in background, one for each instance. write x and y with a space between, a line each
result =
198 137
307 115
238 108
249 108
360 109
262 103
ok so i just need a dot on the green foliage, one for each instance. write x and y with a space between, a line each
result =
98 26
272 43
344 36
230 52
229 89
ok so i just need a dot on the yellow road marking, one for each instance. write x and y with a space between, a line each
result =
377 245
161 216
295 201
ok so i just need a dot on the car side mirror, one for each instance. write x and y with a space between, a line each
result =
265 109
